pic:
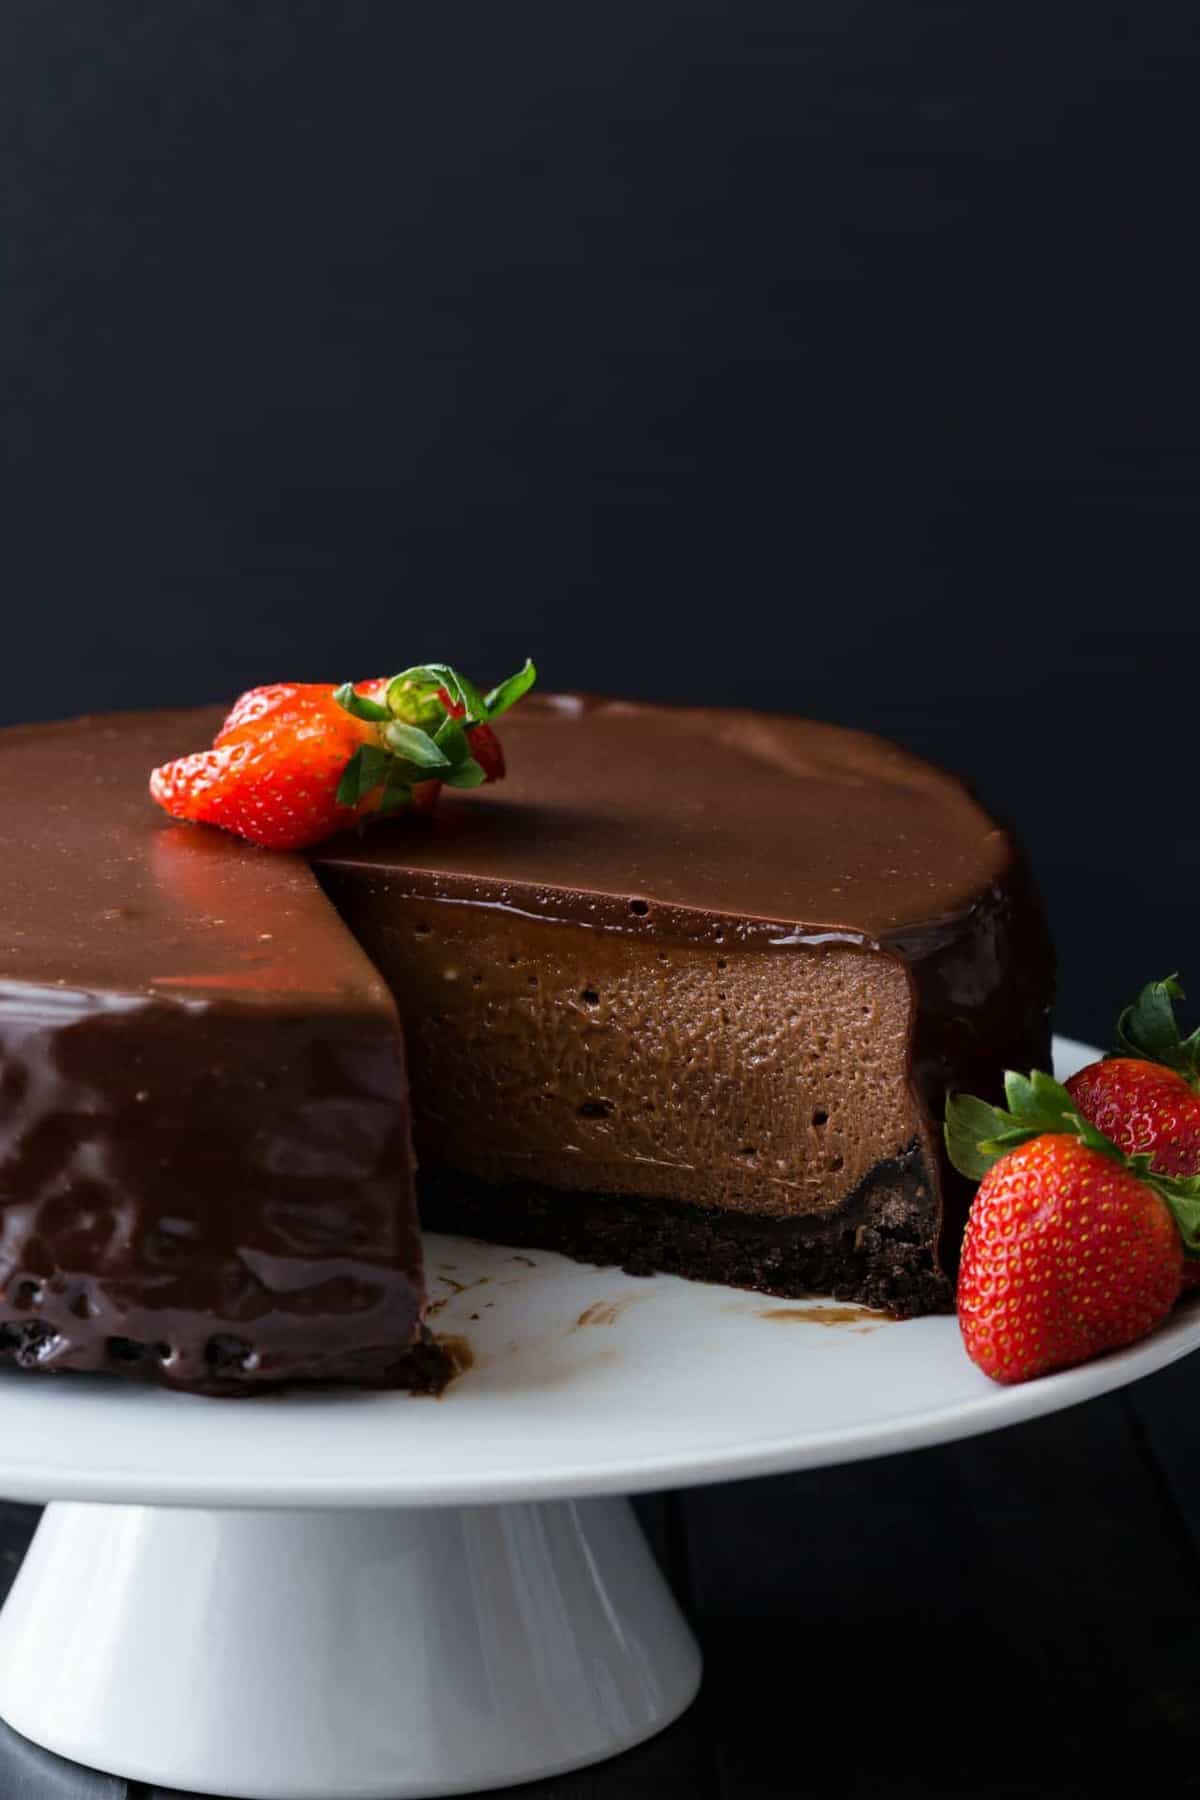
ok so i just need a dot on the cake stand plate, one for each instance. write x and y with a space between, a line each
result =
356 1596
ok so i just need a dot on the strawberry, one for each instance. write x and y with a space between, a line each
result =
1072 1247
1148 1099
1142 1106
1066 1255
272 774
295 762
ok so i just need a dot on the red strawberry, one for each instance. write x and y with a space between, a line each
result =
273 773
1142 1106
295 762
485 748
1148 1100
1072 1248
1066 1255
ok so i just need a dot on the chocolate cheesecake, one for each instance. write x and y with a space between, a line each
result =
684 993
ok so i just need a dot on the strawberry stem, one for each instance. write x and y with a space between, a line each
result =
978 1135
1182 1195
501 698
423 729
358 705
1149 1030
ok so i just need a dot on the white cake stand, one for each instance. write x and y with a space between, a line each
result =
370 1597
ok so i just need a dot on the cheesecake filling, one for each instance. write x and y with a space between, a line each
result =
744 1115
761 1081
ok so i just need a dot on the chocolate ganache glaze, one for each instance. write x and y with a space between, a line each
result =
205 1161
686 991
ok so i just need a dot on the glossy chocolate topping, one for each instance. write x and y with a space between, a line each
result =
736 828
725 820
205 1167
205 1171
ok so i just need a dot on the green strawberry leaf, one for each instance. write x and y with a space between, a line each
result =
348 786
374 766
1149 1026
970 1125
397 792
420 739
1182 1195
358 705
509 692
366 769
465 775
1004 1141
452 741
1149 1030
1037 1099
1094 1138
414 746
978 1135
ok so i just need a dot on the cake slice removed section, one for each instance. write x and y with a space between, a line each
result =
743 1117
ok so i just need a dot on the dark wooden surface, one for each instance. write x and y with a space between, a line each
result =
1014 1616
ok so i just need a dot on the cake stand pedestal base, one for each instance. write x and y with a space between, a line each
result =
368 1655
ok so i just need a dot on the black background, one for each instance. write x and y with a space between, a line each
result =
829 355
